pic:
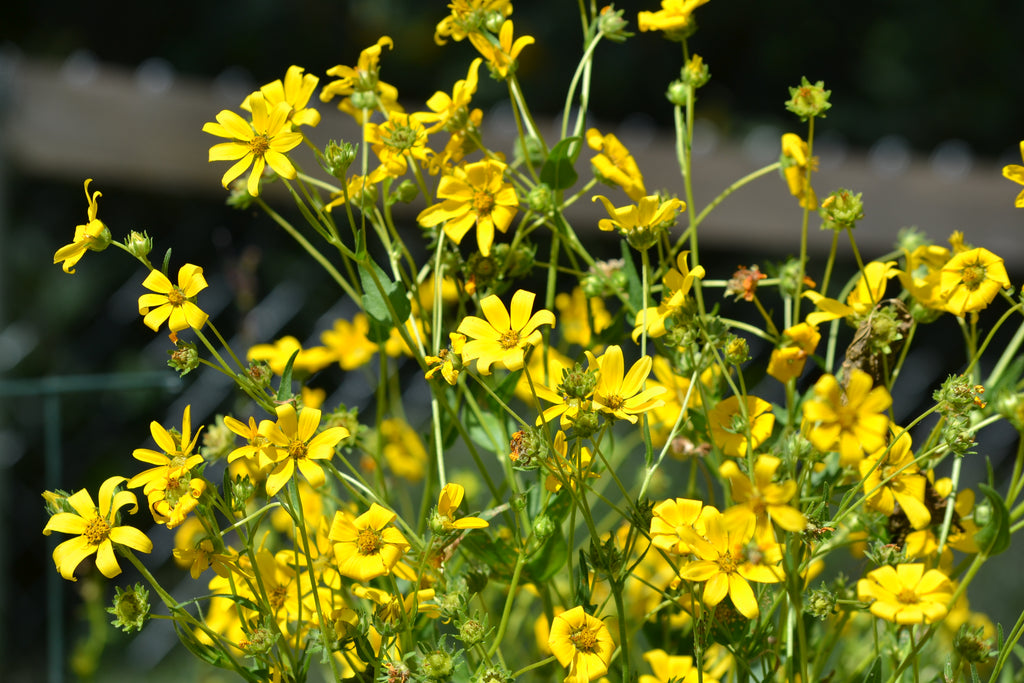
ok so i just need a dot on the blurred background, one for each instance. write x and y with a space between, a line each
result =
928 105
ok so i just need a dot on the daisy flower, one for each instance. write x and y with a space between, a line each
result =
298 446
623 395
93 235
971 280
367 546
906 593
853 422
95 530
173 302
582 644
501 336
734 430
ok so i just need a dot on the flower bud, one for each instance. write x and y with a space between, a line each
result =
737 351
494 674
57 501
540 199
241 491
678 93
364 99
612 25
533 149
405 192
543 527
577 382
605 278
260 373
131 608
841 209
337 158
238 195
972 645
695 73
822 603
139 244
808 100
184 357
473 631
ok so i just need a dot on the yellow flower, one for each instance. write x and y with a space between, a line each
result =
674 668
447 361
906 594
729 557
503 337
788 361
735 429
448 503
577 313
676 286
360 190
871 286
93 235
401 137
262 143
853 423
1016 174
615 165
641 223
767 500
923 272
361 87
173 461
502 53
349 343
673 17
971 280
669 520
277 354
795 166
565 467
474 194
173 302
367 546
403 449
95 530
623 395
171 502
295 91
581 643
451 112
467 16
890 476
297 446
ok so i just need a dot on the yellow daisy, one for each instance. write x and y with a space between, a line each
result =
297 446
851 422
582 644
360 86
623 395
768 500
474 194
799 342
673 17
501 54
1015 173
641 223
448 503
615 165
795 165
971 280
367 546
93 235
261 143
733 431
295 91
501 336
906 594
96 530
173 302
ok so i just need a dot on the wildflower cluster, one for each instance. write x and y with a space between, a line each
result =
631 482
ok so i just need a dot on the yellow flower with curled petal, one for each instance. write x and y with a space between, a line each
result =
174 459
799 342
729 557
295 91
171 302
615 165
367 546
906 593
971 280
360 86
669 517
851 422
401 138
641 223
95 530
676 286
502 336
501 54
768 500
869 290
451 112
93 235
890 477
735 429
923 273
448 503
582 644
1015 173
795 166
474 194
673 17
259 144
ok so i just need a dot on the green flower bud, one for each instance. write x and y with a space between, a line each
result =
605 278
841 209
337 158
821 604
238 195
577 382
540 199
405 192
737 351
473 630
586 422
139 244
437 665
493 21
260 373
972 645
678 93
57 501
534 151
241 491
910 238
364 99
494 674
184 357
260 641
543 527
612 25
218 440
527 449
808 100
695 73
131 608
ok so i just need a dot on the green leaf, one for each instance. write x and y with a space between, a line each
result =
488 431
634 288
284 392
874 674
558 172
994 537
378 292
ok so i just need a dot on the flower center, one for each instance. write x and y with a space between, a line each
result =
972 276
614 402
297 449
401 138
483 202
583 640
369 542
908 597
277 596
176 297
96 531
509 340
259 144
726 563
